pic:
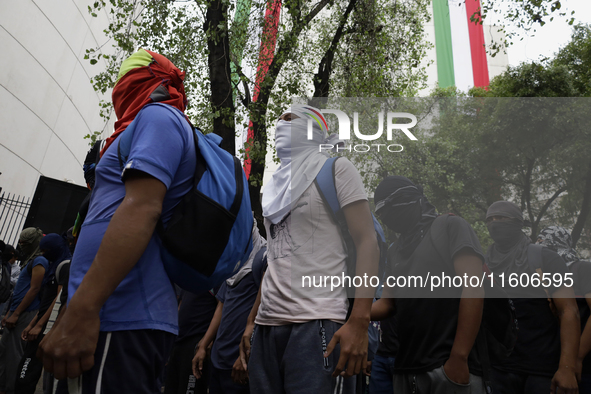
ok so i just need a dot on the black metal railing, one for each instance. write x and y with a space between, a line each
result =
13 212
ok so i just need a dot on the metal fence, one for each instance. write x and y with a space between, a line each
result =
13 212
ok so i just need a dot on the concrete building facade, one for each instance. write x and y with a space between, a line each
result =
47 103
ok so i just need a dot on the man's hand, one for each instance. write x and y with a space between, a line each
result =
353 339
68 349
367 371
25 332
11 321
245 345
564 381
33 333
457 370
239 373
198 360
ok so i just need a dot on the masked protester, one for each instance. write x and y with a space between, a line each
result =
236 297
303 241
545 355
559 240
23 307
55 250
121 318
436 330
10 259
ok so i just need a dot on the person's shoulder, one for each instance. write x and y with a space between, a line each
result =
551 261
346 173
460 234
453 222
582 271
163 114
40 260
344 165
160 109
549 254
584 265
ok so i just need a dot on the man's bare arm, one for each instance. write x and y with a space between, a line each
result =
353 334
383 309
70 349
585 344
245 341
210 334
570 333
469 317
37 274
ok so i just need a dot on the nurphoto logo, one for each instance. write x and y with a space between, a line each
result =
344 122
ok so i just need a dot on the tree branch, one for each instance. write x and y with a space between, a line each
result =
321 78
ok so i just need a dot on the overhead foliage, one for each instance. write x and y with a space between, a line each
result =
518 18
375 49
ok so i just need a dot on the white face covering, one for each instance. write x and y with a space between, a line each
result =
300 161
283 141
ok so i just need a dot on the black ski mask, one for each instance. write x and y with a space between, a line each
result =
505 233
401 218
404 209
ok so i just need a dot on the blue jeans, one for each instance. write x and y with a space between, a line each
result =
289 359
382 371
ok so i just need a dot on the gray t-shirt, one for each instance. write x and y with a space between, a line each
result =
307 242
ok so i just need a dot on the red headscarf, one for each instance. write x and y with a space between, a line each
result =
133 91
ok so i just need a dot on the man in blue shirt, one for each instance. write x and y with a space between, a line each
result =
121 318
23 307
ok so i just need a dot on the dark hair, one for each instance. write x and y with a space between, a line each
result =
9 253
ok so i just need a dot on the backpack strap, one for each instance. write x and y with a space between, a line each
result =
58 270
124 147
325 182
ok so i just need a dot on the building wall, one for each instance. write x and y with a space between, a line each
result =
47 103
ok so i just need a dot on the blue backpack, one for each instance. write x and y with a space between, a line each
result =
208 237
325 182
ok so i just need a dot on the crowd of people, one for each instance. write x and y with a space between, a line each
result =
127 329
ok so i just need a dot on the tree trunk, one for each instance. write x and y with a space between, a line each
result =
585 209
218 45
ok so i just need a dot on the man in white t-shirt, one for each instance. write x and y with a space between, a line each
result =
298 328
